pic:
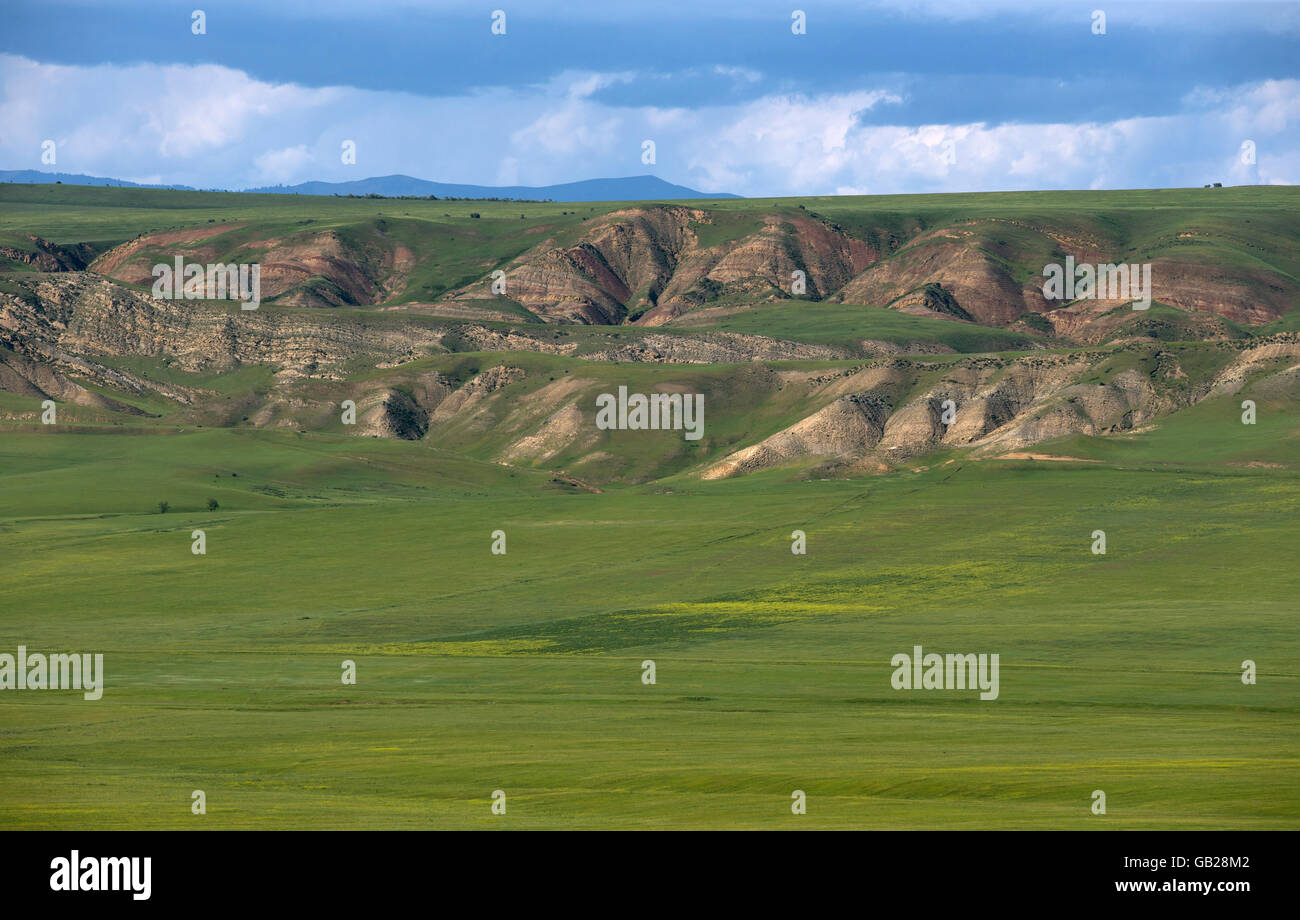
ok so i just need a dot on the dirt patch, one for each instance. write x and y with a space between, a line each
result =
111 261
1029 455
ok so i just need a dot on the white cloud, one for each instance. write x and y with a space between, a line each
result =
573 129
742 74
290 163
211 126
580 86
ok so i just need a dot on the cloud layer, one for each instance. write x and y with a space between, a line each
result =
213 126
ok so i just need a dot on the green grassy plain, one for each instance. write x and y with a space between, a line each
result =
847 324
522 672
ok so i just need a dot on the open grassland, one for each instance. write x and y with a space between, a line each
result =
522 672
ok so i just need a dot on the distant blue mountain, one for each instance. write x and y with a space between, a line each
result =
33 177
628 188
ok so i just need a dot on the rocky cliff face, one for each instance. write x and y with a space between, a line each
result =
45 256
619 267
761 267
66 334
890 412
942 274
651 265
62 328
87 315
312 268
651 285
648 266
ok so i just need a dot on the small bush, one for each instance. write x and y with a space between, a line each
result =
163 507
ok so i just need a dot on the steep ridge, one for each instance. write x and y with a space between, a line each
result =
915 332
75 313
991 271
44 256
530 400
947 272
322 268
651 265
760 267
647 265
618 267
892 411
82 314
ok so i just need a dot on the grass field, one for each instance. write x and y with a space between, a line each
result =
479 672
845 324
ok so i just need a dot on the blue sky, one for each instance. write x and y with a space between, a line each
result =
878 97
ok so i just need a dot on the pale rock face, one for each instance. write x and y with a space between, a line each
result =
648 263
310 269
849 427
63 332
394 414
1002 405
656 264
565 429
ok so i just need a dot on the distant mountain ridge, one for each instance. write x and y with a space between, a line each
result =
626 188
36 177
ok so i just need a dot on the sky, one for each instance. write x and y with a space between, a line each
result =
874 97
